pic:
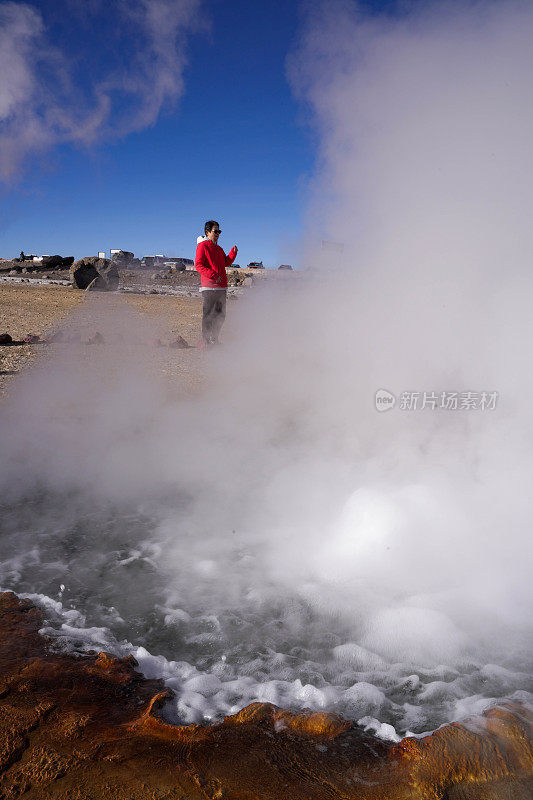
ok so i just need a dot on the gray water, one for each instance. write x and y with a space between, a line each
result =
217 641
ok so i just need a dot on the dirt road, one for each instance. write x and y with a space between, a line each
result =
41 310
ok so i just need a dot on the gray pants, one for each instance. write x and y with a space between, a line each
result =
214 313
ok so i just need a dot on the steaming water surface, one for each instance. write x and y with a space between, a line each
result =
271 536
221 637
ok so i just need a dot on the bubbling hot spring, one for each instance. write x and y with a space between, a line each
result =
248 543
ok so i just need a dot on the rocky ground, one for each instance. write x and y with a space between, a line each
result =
40 309
83 726
148 281
28 309
37 302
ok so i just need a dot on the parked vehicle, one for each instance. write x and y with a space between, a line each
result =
151 262
175 264
255 265
170 262
284 266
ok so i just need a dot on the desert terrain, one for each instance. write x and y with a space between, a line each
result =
42 309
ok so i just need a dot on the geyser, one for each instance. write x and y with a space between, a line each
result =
273 536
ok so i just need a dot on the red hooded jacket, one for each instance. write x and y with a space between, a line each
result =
211 262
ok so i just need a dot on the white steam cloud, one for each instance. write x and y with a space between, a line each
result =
314 545
425 124
44 101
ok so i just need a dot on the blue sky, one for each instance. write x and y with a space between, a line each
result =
236 145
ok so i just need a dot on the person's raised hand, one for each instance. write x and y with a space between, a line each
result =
236 249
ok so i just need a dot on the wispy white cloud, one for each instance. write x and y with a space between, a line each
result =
42 103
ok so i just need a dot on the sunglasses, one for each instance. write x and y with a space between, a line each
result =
216 231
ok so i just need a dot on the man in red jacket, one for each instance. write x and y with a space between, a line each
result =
211 262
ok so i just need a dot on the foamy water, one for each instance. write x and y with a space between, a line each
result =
222 637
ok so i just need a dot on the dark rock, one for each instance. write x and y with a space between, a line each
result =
86 270
98 285
124 259
109 272
8 264
48 263
123 256
5 338
234 279
56 262
83 272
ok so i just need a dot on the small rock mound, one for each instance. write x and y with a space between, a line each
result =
55 262
239 279
8 264
96 274
97 285
124 259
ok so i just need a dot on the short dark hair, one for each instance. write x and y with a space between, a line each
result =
209 225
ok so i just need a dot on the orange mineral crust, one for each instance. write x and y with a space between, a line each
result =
76 727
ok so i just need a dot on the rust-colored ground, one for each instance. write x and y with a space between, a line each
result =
80 727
